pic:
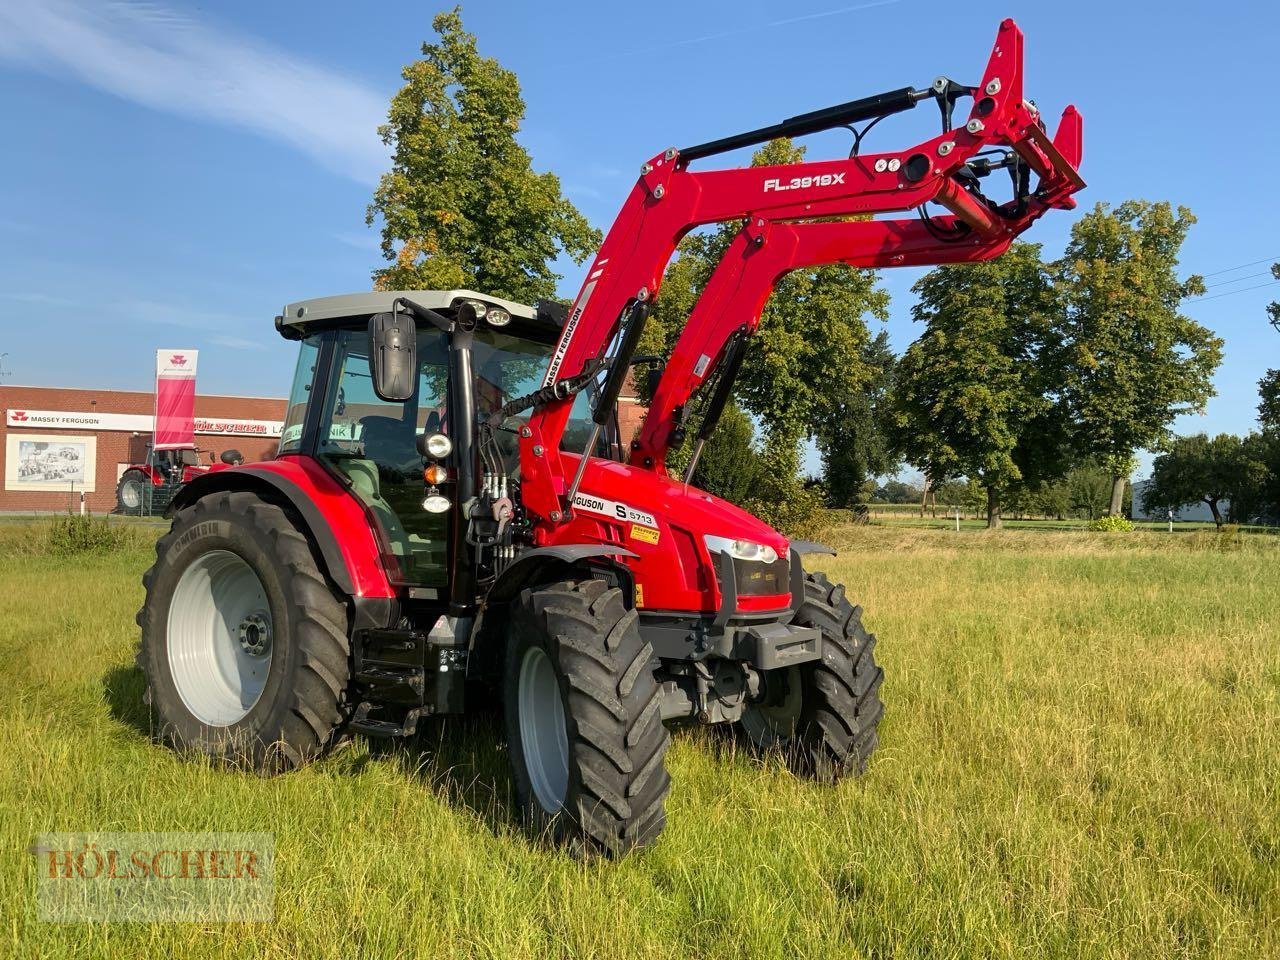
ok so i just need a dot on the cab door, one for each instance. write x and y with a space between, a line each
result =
371 445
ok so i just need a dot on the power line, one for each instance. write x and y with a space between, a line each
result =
1257 286
1252 263
1247 276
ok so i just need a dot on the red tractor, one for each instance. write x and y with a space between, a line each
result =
148 488
453 521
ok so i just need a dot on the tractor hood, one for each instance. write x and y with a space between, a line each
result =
610 488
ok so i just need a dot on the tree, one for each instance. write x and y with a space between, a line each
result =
896 491
1089 489
1267 443
1269 400
806 363
853 434
461 205
729 465
975 396
1198 469
1135 361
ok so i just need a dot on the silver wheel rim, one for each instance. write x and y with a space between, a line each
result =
219 638
543 737
131 494
773 723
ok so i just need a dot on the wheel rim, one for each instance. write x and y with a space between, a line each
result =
131 494
542 730
219 638
772 720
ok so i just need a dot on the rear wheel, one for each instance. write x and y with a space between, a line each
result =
823 714
584 719
131 493
244 644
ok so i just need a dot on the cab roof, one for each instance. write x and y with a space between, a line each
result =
303 313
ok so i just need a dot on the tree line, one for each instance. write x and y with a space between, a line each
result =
1028 374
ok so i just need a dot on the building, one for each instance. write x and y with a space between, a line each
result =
58 443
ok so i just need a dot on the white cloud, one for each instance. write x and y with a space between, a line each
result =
164 60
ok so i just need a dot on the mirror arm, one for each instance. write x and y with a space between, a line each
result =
425 313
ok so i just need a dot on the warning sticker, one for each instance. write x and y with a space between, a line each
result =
639 595
644 534
590 503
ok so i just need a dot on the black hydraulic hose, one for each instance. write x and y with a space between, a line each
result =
855 111
724 387
620 365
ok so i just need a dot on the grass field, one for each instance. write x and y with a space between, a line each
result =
1080 758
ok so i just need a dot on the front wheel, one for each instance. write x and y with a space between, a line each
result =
244 644
584 719
823 714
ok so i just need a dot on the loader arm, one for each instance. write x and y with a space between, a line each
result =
669 200
761 254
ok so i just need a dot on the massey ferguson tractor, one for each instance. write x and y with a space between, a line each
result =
453 522
148 488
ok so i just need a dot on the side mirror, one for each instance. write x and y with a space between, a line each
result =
393 356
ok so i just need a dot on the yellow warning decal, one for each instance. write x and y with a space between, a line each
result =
639 594
646 534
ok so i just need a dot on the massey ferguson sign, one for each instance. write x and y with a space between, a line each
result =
134 423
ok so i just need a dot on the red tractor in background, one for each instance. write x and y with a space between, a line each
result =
453 522
147 489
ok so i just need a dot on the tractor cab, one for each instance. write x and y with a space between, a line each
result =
397 455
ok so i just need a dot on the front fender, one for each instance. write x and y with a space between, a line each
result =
533 566
335 520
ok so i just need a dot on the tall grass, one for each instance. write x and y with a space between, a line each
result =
1079 759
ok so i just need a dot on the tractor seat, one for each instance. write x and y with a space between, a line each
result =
363 475
388 442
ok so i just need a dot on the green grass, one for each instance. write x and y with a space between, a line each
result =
1079 759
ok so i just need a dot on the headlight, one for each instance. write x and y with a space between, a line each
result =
497 317
741 549
435 504
438 445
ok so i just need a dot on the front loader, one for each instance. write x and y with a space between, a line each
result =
454 522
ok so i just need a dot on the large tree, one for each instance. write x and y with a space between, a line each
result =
1200 469
1136 361
1269 402
853 435
808 357
976 395
462 205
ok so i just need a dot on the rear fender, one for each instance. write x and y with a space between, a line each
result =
335 522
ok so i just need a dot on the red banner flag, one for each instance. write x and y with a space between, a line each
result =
175 399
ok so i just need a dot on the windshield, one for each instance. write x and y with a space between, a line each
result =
506 366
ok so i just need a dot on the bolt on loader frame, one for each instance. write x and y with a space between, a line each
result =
445 527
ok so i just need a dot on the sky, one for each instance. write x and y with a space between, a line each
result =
172 173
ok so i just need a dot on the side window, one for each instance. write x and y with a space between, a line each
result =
373 444
296 412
